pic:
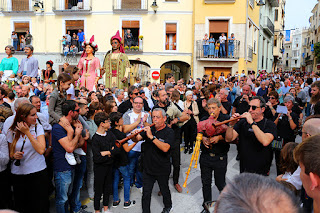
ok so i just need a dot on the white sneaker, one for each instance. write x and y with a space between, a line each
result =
79 151
70 158
108 211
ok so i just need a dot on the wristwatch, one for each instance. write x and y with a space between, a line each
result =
154 137
253 123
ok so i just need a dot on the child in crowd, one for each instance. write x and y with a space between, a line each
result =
288 165
34 81
66 50
25 80
103 149
121 162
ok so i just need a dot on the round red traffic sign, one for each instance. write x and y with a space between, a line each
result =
155 75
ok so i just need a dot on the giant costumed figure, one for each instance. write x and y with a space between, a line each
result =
89 65
116 64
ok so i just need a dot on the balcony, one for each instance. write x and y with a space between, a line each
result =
219 1
202 56
65 7
274 3
250 53
23 7
268 26
130 6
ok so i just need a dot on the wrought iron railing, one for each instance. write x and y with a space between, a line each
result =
208 51
130 5
16 6
72 5
268 24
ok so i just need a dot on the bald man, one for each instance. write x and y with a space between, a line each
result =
241 103
25 91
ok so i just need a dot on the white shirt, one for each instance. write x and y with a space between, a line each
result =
295 180
222 39
129 118
32 161
4 153
44 121
71 92
147 92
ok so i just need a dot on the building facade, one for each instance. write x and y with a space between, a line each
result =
166 45
266 41
214 17
278 43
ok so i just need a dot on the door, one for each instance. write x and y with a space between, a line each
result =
217 27
217 71
21 28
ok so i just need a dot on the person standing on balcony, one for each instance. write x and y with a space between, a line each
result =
68 36
15 40
205 45
28 37
211 47
116 64
81 38
22 43
128 38
222 40
231 45
216 50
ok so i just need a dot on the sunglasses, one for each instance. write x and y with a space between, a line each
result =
253 107
77 110
136 93
272 98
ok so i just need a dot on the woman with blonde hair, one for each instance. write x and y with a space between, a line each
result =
29 173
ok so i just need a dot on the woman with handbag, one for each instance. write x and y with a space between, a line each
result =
190 126
29 173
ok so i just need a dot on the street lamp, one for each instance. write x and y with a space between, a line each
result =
261 3
154 6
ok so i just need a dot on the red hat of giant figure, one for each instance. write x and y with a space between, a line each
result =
117 36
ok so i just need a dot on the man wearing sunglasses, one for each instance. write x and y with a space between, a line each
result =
255 135
126 105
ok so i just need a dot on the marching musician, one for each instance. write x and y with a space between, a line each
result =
214 155
176 117
255 135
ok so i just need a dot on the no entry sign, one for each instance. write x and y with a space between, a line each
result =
155 75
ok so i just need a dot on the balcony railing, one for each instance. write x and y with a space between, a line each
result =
207 52
16 6
268 26
72 6
250 53
124 6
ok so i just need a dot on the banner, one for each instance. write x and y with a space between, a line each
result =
288 34
312 49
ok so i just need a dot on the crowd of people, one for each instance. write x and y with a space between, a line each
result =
57 137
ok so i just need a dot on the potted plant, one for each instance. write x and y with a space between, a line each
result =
136 48
140 37
132 48
126 47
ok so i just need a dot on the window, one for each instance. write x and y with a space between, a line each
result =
287 63
287 55
171 36
21 28
20 5
296 62
276 15
130 33
73 4
275 42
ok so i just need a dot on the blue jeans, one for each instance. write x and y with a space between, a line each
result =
15 44
124 170
65 53
216 53
308 108
133 168
223 50
205 50
80 45
63 182
77 184
231 49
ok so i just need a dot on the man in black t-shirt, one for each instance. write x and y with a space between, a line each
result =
214 154
226 105
156 159
241 104
255 135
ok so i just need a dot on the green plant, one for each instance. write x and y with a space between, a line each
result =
132 47
141 37
317 51
136 47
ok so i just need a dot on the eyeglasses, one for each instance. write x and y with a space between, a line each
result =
272 98
136 93
253 107
77 110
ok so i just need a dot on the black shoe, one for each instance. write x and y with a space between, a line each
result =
190 151
185 150
129 204
238 157
116 203
166 210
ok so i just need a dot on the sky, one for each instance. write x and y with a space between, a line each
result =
298 13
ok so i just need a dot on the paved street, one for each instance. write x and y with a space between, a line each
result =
189 201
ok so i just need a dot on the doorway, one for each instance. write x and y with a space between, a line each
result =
21 28
216 28
134 27
217 71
